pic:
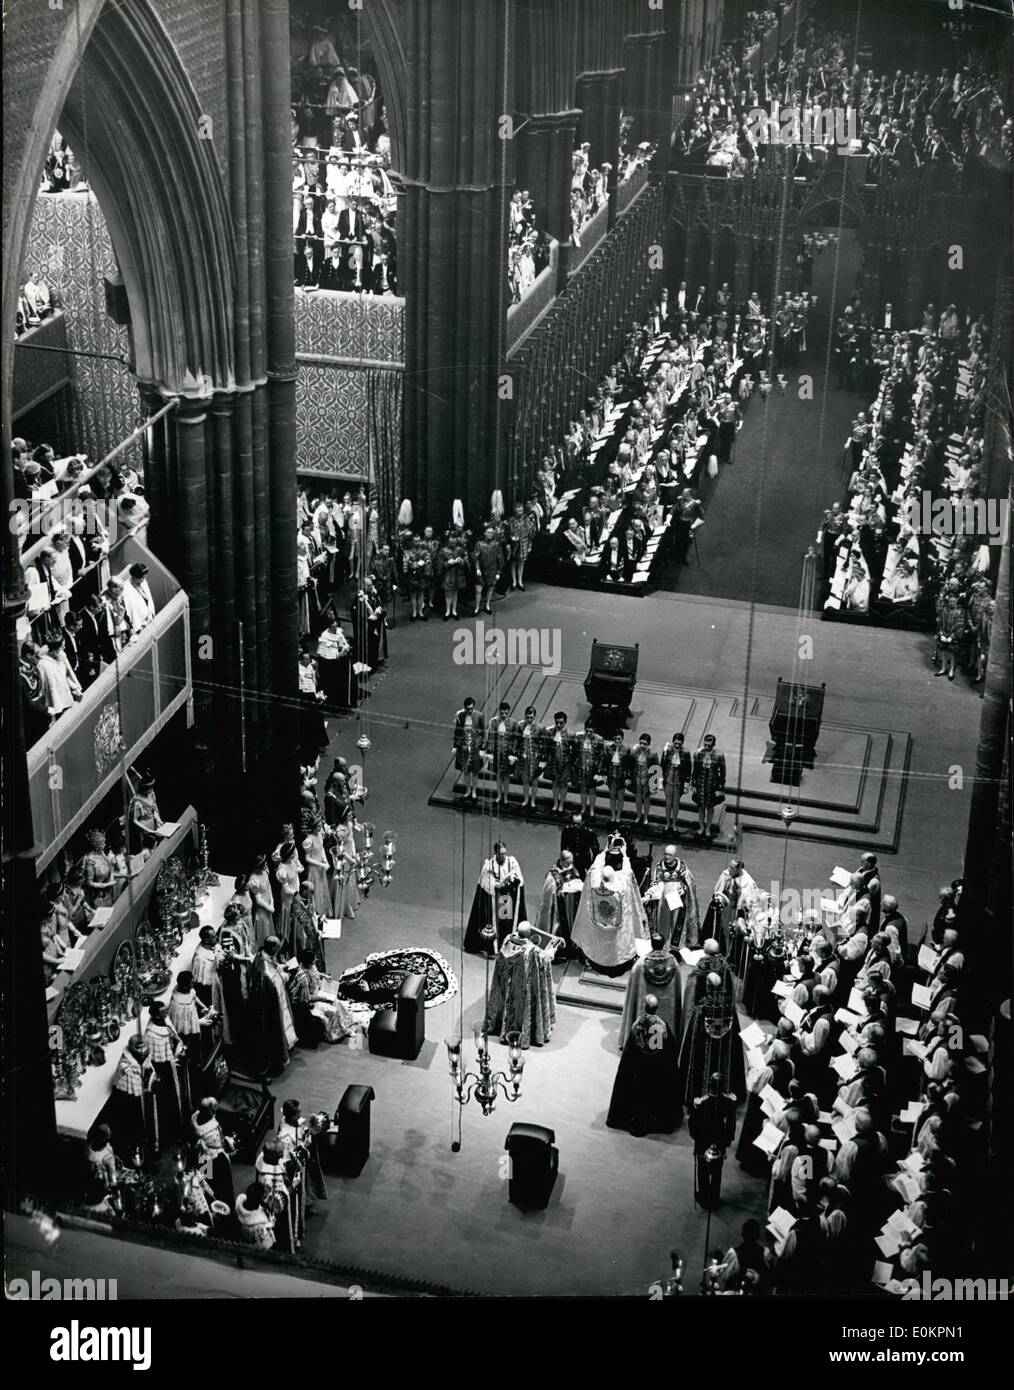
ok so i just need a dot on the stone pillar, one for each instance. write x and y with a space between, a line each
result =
544 151
642 86
453 248
598 96
280 344
222 566
156 472
189 500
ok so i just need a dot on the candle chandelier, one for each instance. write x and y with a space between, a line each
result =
368 870
485 1084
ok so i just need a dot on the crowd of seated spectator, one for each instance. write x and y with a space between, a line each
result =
622 484
867 1092
902 121
81 612
343 200
921 440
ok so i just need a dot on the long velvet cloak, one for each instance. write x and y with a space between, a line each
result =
645 1097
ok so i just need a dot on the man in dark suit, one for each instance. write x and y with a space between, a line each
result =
308 233
381 277
580 841
71 643
308 265
351 222
332 275
94 642
77 550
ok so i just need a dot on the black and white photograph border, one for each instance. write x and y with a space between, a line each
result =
393 907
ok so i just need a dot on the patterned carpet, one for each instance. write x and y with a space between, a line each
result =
441 981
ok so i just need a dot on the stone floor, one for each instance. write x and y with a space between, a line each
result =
621 1203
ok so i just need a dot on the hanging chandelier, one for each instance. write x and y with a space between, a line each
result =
368 871
816 242
485 1084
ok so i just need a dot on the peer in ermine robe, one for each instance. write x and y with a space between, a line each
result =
560 894
740 895
678 924
499 903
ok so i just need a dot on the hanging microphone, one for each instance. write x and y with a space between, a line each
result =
456 1146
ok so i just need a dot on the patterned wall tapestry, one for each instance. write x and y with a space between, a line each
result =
69 243
332 417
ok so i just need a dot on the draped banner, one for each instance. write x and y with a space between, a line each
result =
69 244
340 340
383 392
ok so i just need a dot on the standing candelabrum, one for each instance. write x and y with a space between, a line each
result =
206 878
388 861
